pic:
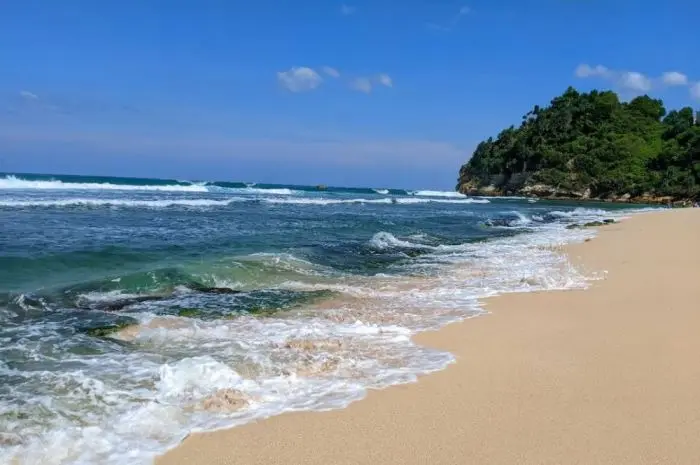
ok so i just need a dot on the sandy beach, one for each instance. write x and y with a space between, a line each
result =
607 375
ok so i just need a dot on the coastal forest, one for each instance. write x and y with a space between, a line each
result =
592 146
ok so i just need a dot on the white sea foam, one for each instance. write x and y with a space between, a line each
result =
439 194
259 191
384 240
408 201
381 191
124 203
13 182
581 212
393 200
324 201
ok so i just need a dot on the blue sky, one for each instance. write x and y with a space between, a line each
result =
361 93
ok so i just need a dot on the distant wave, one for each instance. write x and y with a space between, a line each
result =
426 200
312 201
205 203
195 203
579 212
13 182
438 194
381 191
386 201
262 191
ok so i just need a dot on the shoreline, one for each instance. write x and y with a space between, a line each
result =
527 385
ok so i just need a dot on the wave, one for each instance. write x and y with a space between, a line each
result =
385 201
384 240
262 191
579 212
452 201
438 194
13 182
381 191
222 372
312 201
164 203
210 203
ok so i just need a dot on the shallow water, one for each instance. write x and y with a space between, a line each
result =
135 311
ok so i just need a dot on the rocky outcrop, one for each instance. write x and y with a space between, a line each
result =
545 191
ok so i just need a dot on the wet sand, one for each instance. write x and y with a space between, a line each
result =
609 375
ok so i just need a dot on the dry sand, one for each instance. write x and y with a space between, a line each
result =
609 375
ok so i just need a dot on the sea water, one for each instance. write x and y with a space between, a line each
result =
135 311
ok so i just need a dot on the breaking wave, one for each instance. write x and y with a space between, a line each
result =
439 194
13 182
121 203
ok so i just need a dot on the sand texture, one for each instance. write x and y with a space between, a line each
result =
609 375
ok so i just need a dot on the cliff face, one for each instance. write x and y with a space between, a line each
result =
591 146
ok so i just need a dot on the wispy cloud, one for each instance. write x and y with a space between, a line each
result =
385 80
332 72
347 10
367 84
361 84
695 90
304 79
584 71
634 81
25 94
299 79
447 27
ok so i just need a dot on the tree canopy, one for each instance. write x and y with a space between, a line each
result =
592 145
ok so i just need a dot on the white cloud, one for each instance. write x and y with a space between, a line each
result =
362 84
465 10
25 94
695 90
347 9
674 78
385 80
299 79
332 72
584 71
635 81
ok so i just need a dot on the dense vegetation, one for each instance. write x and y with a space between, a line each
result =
592 145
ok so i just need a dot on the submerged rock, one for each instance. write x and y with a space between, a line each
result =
225 400
591 224
215 290
310 345
119 304
189 312
111 328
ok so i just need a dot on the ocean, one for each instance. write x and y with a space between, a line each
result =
134 311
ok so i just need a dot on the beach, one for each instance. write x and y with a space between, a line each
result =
606 375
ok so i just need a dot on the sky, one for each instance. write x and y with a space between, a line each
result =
359 93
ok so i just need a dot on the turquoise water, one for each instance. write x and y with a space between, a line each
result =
236 301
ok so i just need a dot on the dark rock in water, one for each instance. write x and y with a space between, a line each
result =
116 305
215 290
591 224
189 312
110 328
502 222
